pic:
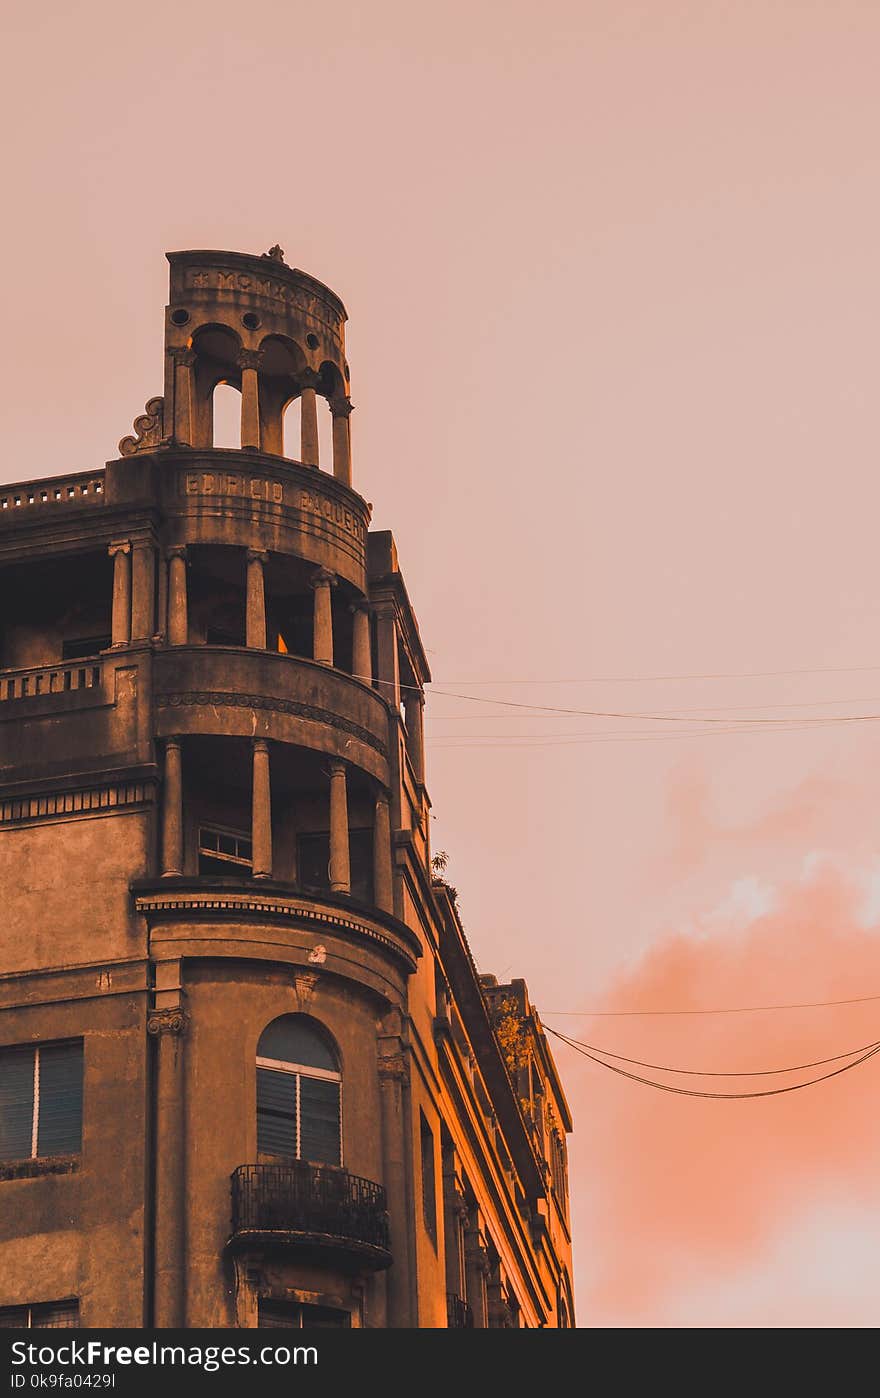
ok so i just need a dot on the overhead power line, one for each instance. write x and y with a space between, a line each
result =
728 1010
717 1096
714 1073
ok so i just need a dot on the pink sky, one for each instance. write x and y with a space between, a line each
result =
612 276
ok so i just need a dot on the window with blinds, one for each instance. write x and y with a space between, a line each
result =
47 1315
299 1093
41 1101
290 1315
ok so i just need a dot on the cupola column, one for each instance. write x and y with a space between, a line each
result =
341 409
178 621
143 589
340 865
361 656
383 888
184 359
261 829
120 624
172 811
309 427
414 708
322 651
256 599
249 362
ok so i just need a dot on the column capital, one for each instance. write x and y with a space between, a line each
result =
323 578
309 378
337 769
176 551
119 546
260 745
183 355
171 1021
360 604
250 359
258 556
393 1068
171 743
413 694
383 797
341 406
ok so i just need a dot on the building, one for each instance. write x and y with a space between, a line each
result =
249 1075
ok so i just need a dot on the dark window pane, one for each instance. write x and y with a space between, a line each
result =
55 1315
278 1315
319 1124
294 1039
361 855
16 1103
276 1112
60 1115
313 861
13 1317
429 1186
80 646
324 1318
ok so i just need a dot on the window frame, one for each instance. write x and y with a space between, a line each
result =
238 864
35 1155
299 1071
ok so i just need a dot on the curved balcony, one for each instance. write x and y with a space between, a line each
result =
235 692
318 1209
256 500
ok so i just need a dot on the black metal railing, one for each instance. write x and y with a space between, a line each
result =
295 1197
459 1315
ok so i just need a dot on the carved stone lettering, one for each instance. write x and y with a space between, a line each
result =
213 483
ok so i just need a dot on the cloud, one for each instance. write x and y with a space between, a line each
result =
678 1195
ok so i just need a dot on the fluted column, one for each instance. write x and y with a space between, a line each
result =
249 362
120 624
413 708
308 427
383 888
361 656
322 581
340 865
261 825
256 599
172 811
143 589
178 620
341 409
167 1027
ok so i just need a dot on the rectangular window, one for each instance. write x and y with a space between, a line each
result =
429 1184
48 1315
290 1315
299 1115
228 853
41 1101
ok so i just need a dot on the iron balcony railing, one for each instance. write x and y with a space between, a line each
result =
295 1197
459 1315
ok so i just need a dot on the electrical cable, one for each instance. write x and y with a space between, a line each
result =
705 1073
715 1096
735 1010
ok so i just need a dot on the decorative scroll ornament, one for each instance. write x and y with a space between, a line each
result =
166 1022
147 427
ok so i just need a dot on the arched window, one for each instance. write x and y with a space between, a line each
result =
299 1092
227 416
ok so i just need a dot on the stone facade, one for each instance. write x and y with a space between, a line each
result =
249 1073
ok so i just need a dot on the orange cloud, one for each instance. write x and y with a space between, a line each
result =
672 1190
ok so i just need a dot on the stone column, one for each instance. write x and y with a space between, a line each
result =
120 625
256 599
341 409
393 1100
172 811
143 590
309 427
182 428
361 653
249 362
387 663
340 865
476 1266
322 581
167 1027
261 824
383 887
413 707
178 619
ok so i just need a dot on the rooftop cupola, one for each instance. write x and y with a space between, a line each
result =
273 333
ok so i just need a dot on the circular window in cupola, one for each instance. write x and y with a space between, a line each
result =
179 316
250 320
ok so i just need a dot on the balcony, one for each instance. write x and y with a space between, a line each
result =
459 1315
318 1209
68 677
